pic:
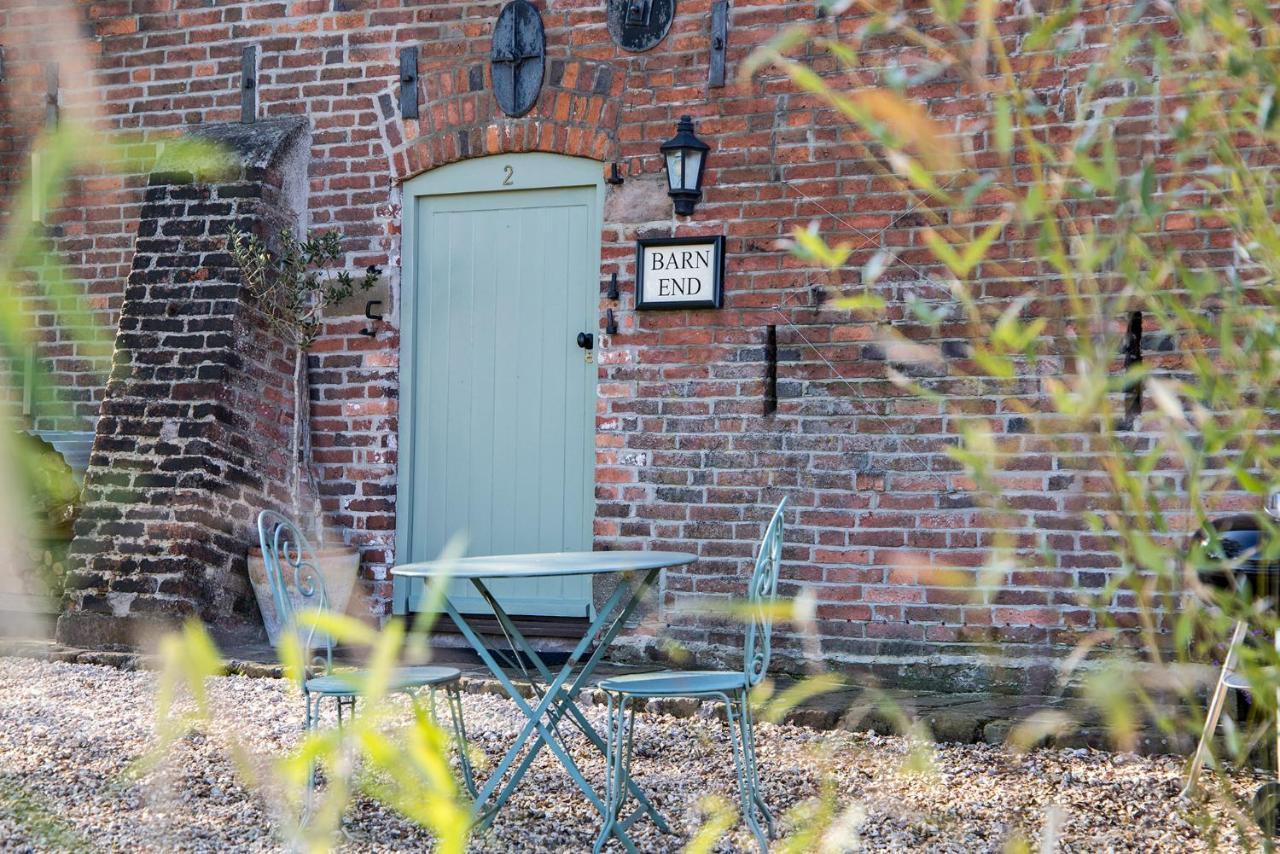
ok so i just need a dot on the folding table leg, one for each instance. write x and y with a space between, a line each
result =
533 724
566 704
487 657
1215 709
534 716
454 699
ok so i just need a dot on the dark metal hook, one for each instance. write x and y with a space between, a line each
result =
368 313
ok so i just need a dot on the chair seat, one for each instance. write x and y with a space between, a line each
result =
349 682
676 683
1235 680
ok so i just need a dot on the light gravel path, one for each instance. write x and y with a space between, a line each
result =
67 732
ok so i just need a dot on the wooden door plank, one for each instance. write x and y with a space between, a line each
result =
508 431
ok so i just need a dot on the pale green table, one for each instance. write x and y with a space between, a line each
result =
637 572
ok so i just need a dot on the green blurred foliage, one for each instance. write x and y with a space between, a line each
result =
401 763
379 752
1095 205
43 486
1096 219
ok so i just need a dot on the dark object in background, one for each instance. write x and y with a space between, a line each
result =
1266 807
1236 547
638 25
517 57
52 494
51 486
1240 536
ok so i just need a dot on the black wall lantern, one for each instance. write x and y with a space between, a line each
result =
686 158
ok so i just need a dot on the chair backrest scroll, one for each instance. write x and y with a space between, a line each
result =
296 582
762 594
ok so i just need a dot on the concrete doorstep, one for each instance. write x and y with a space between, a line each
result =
943 717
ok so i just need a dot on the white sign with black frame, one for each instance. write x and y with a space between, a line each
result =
679 272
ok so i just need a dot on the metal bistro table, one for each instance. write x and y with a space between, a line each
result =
556 699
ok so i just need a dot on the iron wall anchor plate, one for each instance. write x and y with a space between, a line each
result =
518 57
638 25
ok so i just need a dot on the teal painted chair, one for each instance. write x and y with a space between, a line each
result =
296 583
731 687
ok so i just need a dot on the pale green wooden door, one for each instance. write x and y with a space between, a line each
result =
503 406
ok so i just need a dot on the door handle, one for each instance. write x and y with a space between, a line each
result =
586 340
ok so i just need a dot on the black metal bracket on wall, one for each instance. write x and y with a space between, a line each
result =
29 381
51 93
1 62
611 323
51 84
719 41
408 82
1133 356
770 369
249 84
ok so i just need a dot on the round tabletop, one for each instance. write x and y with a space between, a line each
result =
545 564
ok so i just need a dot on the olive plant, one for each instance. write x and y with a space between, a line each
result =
293 283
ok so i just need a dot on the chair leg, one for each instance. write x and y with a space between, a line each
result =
1214 711
631 737
617 762
1277 720
454 699
310 720
345 703
733 711
747 722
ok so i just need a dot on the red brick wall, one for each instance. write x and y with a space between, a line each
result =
92 225
687 457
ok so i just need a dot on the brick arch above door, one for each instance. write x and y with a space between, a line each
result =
577 113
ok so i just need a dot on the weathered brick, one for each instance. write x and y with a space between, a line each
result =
208 473
866 469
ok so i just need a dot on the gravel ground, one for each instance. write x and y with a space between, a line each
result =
68 732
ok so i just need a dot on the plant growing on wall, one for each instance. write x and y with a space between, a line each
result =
294 283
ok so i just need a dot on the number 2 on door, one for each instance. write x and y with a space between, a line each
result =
507 173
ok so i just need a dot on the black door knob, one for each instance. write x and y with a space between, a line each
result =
586 340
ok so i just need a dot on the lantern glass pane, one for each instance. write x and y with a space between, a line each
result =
692 166
675 169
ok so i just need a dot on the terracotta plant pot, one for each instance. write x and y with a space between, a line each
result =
338 567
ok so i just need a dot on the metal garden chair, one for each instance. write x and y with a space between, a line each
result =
296 583
729 686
